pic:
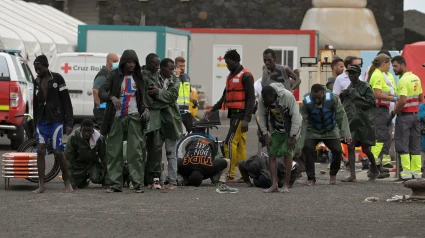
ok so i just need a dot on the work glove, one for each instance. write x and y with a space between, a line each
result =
390 119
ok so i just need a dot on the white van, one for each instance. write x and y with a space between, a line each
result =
79 71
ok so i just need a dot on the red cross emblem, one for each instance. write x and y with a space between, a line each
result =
219 59
66 68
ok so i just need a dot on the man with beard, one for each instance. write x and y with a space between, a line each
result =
359 104
407 127
126 111
239 97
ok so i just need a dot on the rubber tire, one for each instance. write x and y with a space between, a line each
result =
15 143
53 173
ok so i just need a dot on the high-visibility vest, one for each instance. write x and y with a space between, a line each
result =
184 94
235 92
411 84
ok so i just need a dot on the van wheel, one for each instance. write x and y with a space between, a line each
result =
19 139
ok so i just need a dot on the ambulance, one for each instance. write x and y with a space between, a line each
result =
79 71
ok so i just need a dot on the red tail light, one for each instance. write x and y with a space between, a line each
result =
14 96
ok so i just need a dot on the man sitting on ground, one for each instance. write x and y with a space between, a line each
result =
203 161
85 155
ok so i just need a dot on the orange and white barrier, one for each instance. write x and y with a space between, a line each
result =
19 165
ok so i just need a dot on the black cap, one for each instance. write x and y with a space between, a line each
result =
41 59
355 68
384 52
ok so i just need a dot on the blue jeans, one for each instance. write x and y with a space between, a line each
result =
330 156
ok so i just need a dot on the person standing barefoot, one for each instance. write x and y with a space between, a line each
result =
52 110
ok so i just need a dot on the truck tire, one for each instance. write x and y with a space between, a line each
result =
17 140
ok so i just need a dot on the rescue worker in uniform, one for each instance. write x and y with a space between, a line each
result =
126 113
384 90
239 98
184 94
85 153
171 124
278 112
359 104
384 157
324 119
407 126
99 79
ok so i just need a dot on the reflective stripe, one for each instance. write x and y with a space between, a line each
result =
412 104
380 102
417 174
406 174
184 94
4 107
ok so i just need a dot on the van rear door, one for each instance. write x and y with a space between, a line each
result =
94 62
4 88
72 69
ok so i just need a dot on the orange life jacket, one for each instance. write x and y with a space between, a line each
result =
235 92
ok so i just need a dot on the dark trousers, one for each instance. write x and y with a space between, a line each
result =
99 116
334 145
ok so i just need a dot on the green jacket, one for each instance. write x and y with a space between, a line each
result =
359 105
341 129
81 154
163 108
286 100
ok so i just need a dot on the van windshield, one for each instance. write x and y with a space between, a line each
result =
4 70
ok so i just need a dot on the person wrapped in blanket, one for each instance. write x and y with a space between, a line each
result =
257 169
203 160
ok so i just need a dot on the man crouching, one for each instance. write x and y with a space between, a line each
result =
85 155
280 106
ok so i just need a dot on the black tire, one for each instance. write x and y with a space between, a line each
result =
180 145
54 171
18 139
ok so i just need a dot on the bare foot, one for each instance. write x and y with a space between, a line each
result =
349 179
68 187
332 180
284 190
271 190
40 190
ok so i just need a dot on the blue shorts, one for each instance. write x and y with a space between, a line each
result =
50 131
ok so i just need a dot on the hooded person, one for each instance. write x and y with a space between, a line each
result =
125 118
278 112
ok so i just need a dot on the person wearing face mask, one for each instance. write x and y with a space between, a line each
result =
359 104
279 115
99 79
239 98
384 91
125 116
324 119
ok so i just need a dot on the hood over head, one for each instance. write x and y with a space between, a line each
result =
279 88
129 55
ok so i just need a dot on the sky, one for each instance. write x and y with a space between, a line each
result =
414 5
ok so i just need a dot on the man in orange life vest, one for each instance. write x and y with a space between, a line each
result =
239 97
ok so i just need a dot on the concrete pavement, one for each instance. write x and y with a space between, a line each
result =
319 211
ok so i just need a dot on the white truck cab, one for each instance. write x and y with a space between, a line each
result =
79 71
